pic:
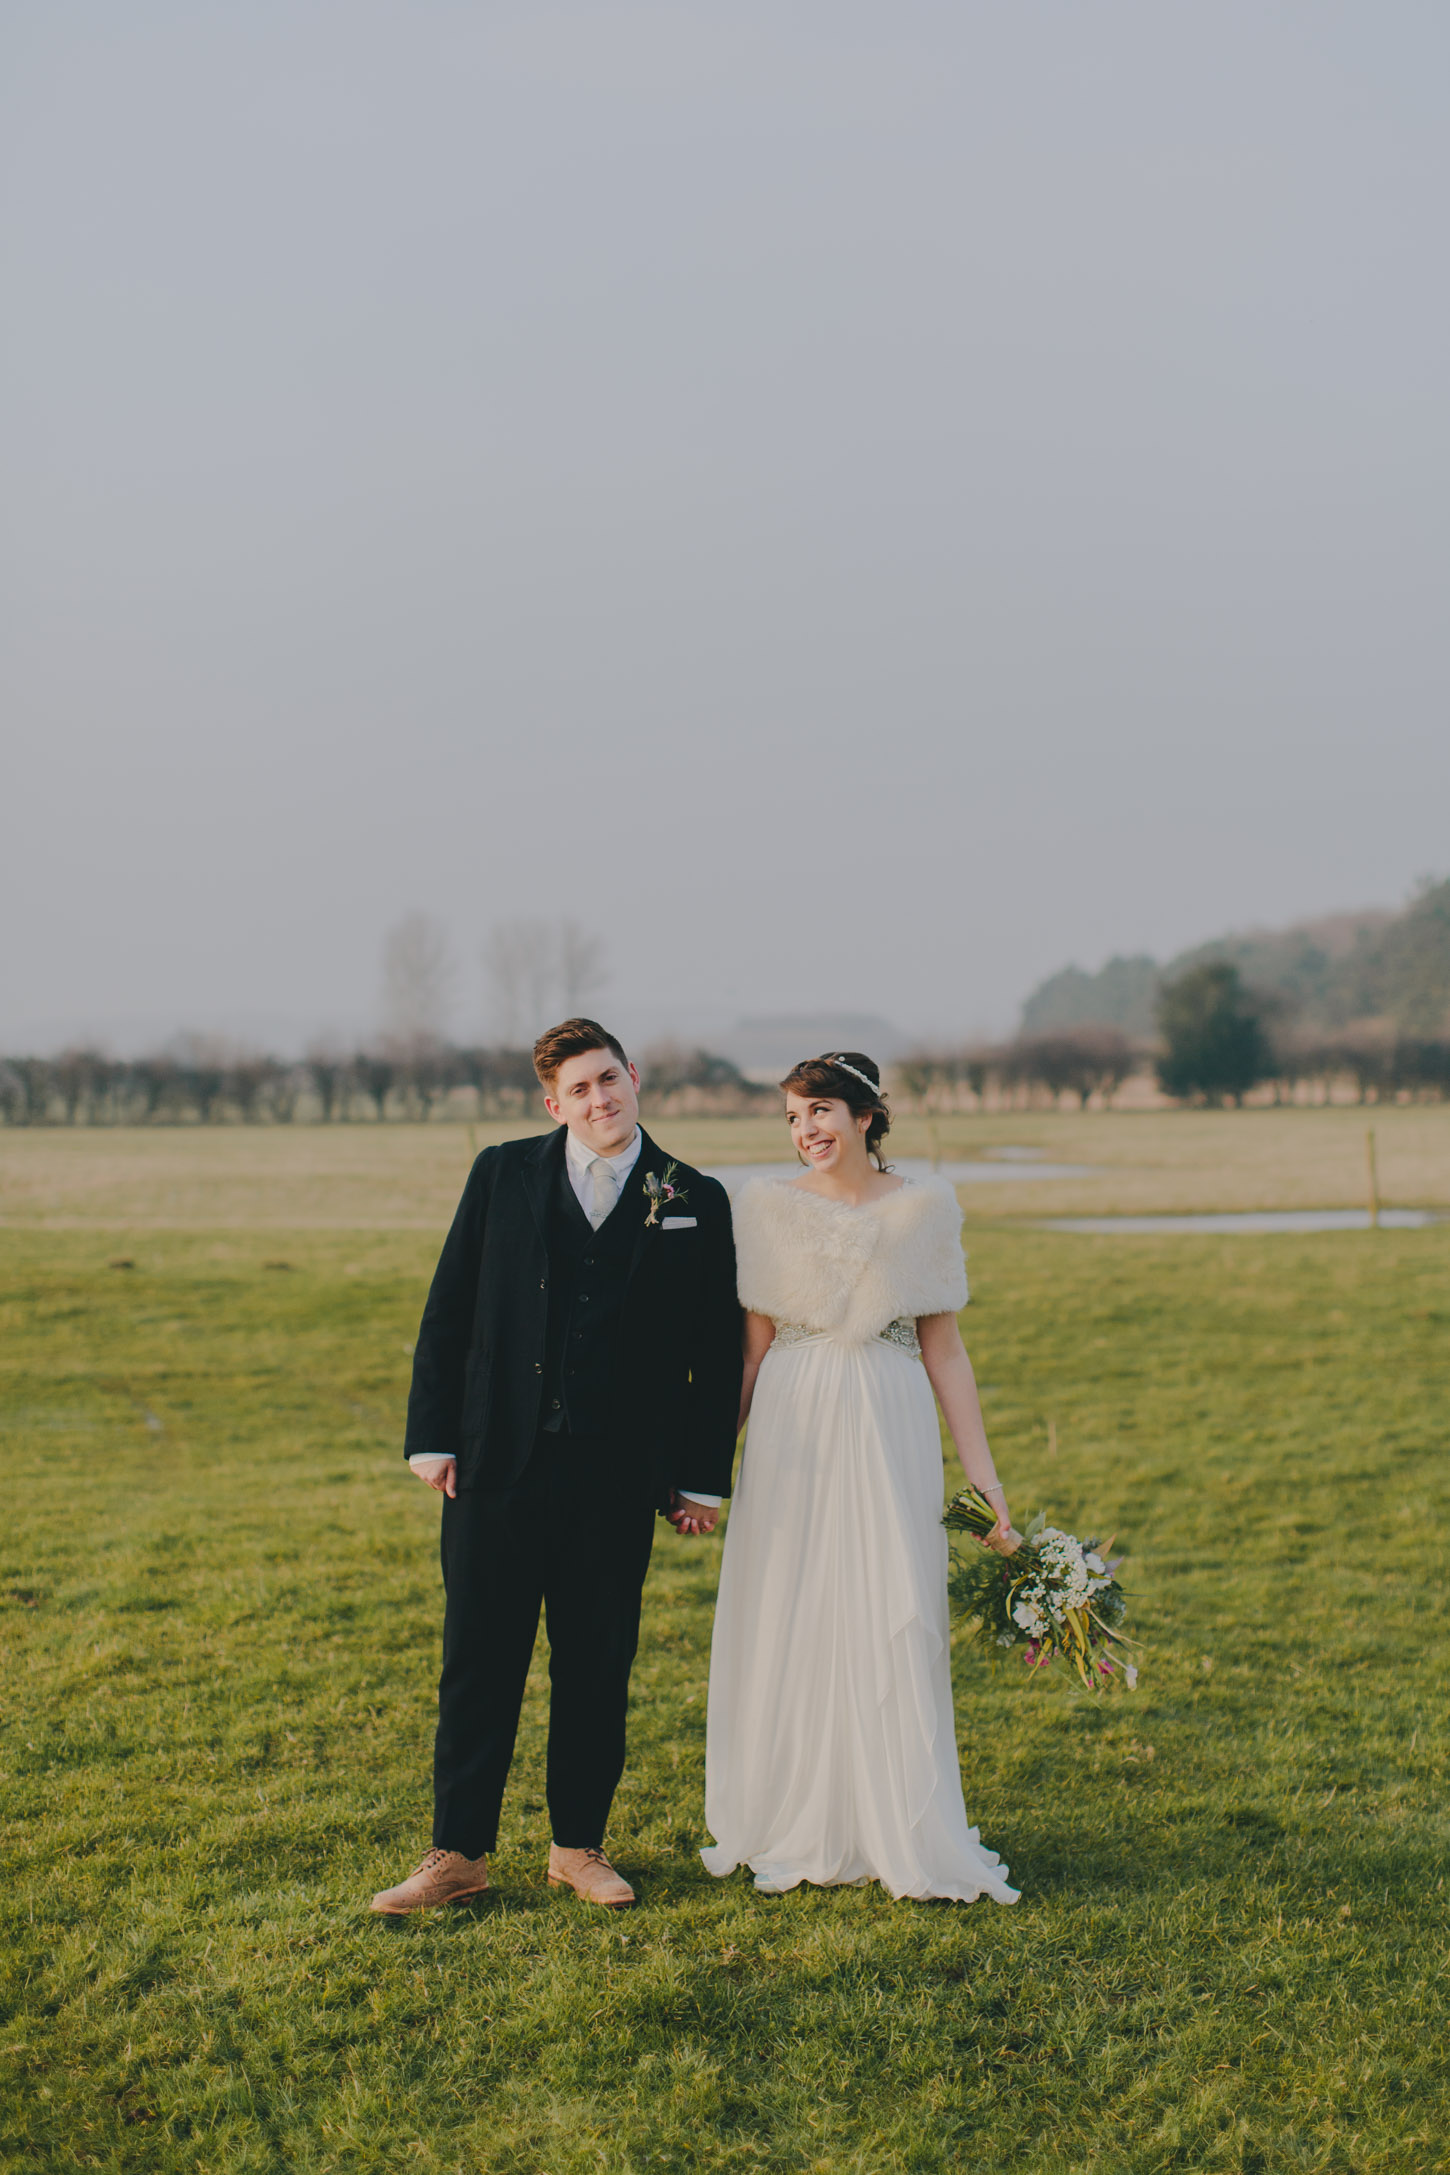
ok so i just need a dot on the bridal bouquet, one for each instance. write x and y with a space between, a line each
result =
1054 1595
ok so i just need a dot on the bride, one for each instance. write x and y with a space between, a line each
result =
831 1750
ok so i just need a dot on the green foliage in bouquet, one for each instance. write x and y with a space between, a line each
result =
1052 1595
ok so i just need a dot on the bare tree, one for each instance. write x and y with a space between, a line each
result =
1422 1067
536 971
691 1082
521 960
503 1079
374 1071
917 1074
251 1076
284 1090
84 1077
37 1078
940 1079
1080 1061
418 981
582 969
331 1070
27 1085
203 1074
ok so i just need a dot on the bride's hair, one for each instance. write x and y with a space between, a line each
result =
846 1076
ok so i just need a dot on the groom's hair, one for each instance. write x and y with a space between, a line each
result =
571 1038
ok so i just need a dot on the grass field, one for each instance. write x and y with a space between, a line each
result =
221 1613
408 1177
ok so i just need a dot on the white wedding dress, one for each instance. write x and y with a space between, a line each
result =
831 1751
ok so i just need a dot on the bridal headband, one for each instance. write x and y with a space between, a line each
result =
841 1066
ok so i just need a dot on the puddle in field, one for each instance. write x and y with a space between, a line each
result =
1285 1219
996 1172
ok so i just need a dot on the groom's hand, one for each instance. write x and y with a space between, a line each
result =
439 1473
689 1517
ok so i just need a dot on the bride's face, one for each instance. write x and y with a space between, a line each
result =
826 1132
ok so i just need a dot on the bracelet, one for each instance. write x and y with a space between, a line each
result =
995 1489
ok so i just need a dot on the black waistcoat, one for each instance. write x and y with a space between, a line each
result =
588 1277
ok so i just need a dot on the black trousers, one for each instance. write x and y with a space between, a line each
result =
574 1535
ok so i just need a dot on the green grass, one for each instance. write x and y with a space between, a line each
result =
221 1616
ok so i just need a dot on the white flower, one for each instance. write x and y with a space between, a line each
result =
1095 1564
1130 1675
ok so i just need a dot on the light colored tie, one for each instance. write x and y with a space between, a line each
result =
606 1192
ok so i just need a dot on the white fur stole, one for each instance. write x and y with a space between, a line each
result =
848 1271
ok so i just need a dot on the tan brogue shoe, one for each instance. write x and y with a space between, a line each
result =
445 1876
590 1875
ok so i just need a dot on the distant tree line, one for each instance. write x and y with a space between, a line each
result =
1329 976
1218 1041
536 970
1084 1062
205 1082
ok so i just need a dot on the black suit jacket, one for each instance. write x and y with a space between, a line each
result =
478 1366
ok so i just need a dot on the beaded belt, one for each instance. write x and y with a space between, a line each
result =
901 1333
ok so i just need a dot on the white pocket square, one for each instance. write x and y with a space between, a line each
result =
678 1223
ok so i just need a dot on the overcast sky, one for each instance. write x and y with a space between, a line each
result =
865 503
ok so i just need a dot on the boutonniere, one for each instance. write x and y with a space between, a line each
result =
660 1190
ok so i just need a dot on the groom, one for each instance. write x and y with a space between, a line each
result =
578 1368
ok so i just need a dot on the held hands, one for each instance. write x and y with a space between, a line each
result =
689 1518
439 1473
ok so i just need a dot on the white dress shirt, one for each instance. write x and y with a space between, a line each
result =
578 1158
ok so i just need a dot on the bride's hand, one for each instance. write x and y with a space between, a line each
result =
1001 1537
691 1519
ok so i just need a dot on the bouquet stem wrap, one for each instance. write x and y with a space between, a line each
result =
1049 1594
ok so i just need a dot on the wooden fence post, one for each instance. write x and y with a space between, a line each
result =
1374 1186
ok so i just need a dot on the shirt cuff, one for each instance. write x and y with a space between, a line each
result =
431 1457
698 1495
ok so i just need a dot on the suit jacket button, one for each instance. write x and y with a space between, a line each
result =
538 1366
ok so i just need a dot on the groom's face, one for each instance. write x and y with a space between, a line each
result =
598 1099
